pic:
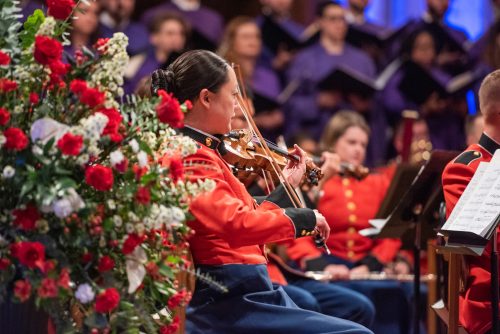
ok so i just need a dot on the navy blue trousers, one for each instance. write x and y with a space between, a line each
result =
252 305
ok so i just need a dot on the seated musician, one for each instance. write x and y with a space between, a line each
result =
313 295
348 203
229 227
475 302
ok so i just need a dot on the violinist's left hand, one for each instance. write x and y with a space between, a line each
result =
295 170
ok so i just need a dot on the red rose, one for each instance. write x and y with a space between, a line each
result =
169 110
107 301
99 177
105 264
177 299
188 105
34 98
59 68
139 171
7 85
48 288
4 116
176 169
87 257
70 144
16 139
22 290
26 218
114 121
101 45
172 328
30 254
4 59
122 166
143 195
48 266
47 50
92 97
4 263
133 240
78 86
64 279
60 9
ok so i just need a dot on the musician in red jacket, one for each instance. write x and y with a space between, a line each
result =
475 301
230 228
347 204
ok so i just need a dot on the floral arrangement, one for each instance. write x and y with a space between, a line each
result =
93 202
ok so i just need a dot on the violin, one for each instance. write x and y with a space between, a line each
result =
246 155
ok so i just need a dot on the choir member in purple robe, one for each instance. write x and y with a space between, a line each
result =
449 40
116 17
308 109
204 20
372 38
28 7
85 30
242 45
444 118
168 35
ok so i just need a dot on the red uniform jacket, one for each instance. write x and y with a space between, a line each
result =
229 226
475 303
347 205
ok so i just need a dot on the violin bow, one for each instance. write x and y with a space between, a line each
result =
242 101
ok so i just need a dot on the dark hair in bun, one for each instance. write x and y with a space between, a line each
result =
190 73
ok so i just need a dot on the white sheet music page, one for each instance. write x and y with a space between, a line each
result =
481 205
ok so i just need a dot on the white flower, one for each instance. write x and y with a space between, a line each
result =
134 145
44 129
129 228
82 159
76 201
84 293
62 208
102 242
111 204
116 157
47 27
178 214
8 172
36 150
117 220
71 202
3 140
142 158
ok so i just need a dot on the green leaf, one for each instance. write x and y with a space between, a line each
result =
66 183
108 224
96 320
31 27
166 270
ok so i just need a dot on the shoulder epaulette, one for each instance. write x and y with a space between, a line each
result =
467 157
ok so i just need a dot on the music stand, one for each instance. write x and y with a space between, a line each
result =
409 220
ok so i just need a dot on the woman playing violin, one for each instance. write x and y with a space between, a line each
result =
347 204
230 228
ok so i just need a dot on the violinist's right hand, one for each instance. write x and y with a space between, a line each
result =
322 228
331 165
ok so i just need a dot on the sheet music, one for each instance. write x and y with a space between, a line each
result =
466 196
482 205
377 224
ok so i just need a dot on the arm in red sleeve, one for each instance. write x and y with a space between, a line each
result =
224 213
456 177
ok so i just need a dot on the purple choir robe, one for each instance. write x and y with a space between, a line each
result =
302 112
446 130
138 36
309 67
30 7
148 66
266 82
205 20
